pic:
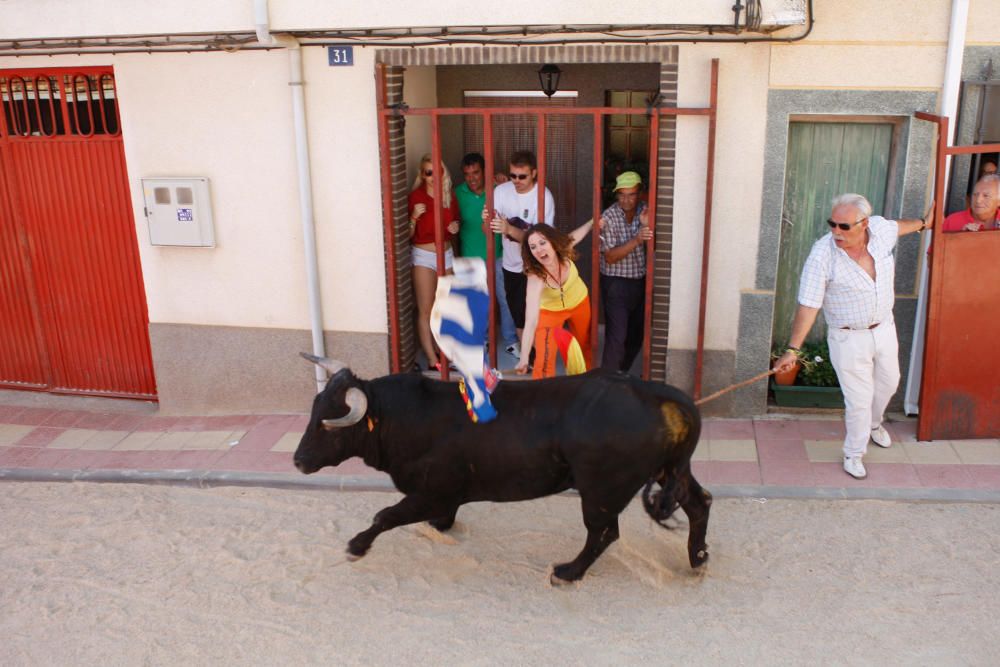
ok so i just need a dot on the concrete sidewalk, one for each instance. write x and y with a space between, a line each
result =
773 456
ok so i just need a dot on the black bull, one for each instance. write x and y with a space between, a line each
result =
604 434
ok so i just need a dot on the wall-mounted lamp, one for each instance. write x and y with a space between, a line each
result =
548 79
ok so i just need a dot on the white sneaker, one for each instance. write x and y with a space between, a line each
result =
854 467
881 437
514 349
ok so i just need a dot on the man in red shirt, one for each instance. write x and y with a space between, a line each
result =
982 211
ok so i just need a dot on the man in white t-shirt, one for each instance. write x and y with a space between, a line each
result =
849 274
515 206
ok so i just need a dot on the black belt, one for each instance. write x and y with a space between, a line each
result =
861 328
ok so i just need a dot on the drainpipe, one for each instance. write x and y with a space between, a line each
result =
264 36
949 107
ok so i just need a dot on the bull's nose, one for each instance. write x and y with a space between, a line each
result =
303 468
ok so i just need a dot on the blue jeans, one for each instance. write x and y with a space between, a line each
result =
507 330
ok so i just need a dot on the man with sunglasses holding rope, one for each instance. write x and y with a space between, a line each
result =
849 274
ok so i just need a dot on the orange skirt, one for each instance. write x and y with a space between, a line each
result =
546 337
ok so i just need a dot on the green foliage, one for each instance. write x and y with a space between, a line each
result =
817 370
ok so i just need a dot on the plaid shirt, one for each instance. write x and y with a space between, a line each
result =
848 295
617 232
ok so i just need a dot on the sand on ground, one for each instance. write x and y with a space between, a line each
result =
109 574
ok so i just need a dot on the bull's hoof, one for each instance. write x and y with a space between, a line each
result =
443 524
564 574
355 552
353 557
699 558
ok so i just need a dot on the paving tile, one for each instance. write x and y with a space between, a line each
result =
78 459
701 452
103 440
290 442
825 451
256 462
300 423
984 476
727 429
231 422
32 416
116 460
892 475
64 418
731 472
787 473
977 452
137 441
698 468
71 438
11 433
944 476
211 439
833 475
825 429
776 429
196 460
894 454
155 424
171 440
17 457
96 420
154 460
902 431
733 450
936 452
266 433
40 436
781 450
10 412
48 458
126 422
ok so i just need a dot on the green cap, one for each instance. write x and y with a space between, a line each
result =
627 179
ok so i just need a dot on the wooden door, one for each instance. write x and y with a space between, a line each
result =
824 160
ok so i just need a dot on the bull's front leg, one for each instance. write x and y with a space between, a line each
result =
411 509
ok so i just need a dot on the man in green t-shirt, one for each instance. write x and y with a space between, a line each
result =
471 197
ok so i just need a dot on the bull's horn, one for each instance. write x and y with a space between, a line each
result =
331 365
357 402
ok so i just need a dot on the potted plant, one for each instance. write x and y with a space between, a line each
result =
784 378
816 384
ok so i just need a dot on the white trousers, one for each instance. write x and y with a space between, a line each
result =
867 365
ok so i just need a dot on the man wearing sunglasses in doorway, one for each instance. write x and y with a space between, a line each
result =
849 274
515 206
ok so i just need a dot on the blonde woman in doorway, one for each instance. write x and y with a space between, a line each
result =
424 252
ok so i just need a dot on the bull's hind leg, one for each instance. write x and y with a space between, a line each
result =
600 516
696 503
411 509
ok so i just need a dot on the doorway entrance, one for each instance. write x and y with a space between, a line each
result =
825 159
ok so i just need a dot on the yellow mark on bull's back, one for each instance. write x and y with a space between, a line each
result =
675 422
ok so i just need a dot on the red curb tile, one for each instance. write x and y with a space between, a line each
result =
125 423
944 476
278 420
231 422
300 424
730 429
985 476
263 436
833 475
256 462
196 460
822 430
97 421
155 460
899 475
156 424
114 460
8 413
64 418
32 416
769 450
76 459
787 473
730 472
17 457
47 458
39 437
771 429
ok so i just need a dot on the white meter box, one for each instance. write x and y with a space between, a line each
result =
179 211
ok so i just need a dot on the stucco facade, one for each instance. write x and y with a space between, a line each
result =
226 322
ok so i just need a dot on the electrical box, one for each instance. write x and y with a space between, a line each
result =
178 211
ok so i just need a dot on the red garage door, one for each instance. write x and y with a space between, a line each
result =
73 313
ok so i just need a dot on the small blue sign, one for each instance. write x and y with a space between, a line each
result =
340 56
185 215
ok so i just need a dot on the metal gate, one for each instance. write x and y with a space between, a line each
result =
73 315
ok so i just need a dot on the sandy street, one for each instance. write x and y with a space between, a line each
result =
109 574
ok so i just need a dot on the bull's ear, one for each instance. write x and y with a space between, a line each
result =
331 365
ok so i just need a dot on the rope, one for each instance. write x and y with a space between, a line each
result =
730 388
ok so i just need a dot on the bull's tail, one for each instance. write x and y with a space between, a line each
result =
661 505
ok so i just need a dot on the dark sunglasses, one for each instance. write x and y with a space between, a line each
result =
428 172
844 225
518 177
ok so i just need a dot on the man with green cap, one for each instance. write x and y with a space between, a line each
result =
624 232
